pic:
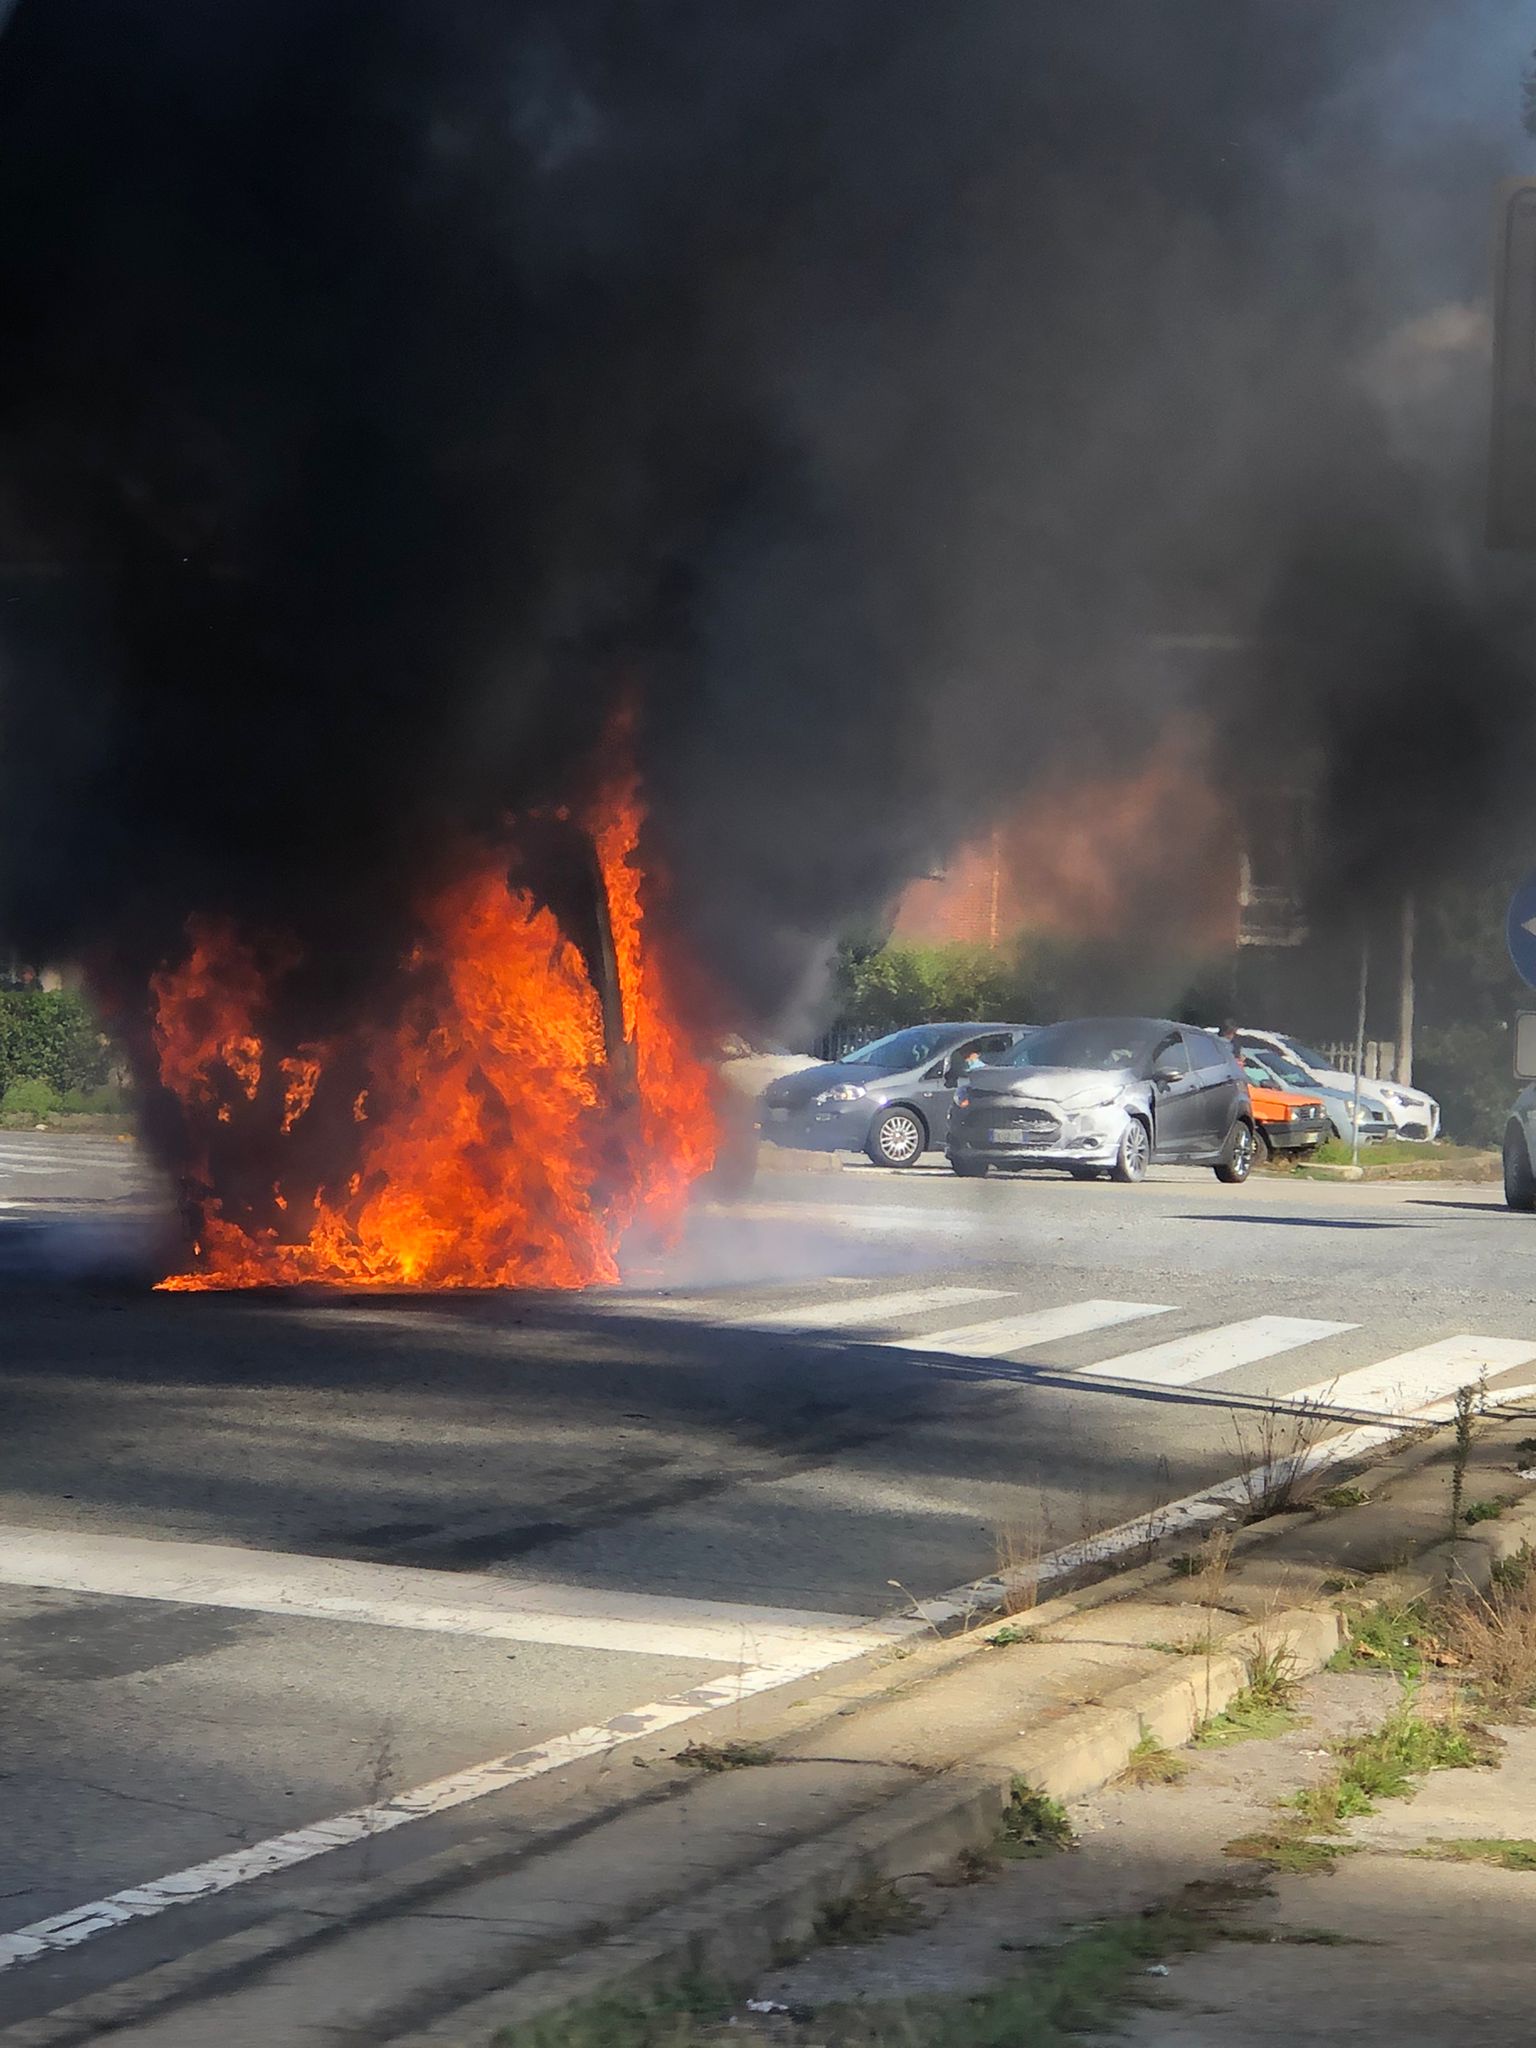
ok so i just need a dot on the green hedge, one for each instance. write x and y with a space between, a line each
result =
50 1037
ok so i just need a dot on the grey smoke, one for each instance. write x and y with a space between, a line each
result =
872 388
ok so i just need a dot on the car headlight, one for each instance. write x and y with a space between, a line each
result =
1090 1102
845 1091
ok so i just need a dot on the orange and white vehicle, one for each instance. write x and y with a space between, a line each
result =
1285 1120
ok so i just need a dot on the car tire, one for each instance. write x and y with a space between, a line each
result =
897 1137
1519 1180
1134 1155
969 1169
1263 1151
1238 1164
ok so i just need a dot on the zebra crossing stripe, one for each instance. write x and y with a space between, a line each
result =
1404 1384
1208 1352
1044 1326
870 1308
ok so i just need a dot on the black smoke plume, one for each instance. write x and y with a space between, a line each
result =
871 388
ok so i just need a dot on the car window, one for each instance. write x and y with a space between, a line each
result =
903 1049
997 1041
1206 1054
1100 1044
1171 1055
1259 1074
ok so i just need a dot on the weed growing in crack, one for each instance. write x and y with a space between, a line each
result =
1275 1446
1463 1427
874 1910
1150 1763
1033 1824
1505 1852
1396 1636
1338 1498
725 1756
1263 1709
1510 1573
976 1865
1483 1511
1493 1635
1287 1850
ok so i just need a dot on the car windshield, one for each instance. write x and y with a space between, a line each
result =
1310 1058
1288 1073
1257 1072
1102 1044
903 1049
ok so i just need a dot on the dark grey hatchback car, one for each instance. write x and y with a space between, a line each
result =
1106 1095
890 1099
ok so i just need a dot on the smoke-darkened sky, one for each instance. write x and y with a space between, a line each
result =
868 386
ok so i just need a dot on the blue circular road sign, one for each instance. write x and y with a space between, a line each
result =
1520 930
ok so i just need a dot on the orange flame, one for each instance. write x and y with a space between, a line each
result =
493 1143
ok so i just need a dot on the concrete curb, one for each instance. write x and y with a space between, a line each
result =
737 1928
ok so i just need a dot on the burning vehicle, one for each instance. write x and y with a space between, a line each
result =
532 1095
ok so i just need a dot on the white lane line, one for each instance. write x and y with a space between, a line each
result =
871 1308
300 1845
406 1597
1208 1352
1403 1384
1044 1326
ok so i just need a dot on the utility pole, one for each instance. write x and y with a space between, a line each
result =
1365 975
1405 997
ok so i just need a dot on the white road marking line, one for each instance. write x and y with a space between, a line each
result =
1208 1352
872 1308
409 1597
1402 1385
1044 1326
300 1845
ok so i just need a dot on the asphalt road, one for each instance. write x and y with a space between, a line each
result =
269 1562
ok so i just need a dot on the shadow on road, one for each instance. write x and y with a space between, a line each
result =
1299 1222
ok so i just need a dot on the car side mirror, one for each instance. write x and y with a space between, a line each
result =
1166 1074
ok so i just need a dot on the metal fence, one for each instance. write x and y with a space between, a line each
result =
1380 1058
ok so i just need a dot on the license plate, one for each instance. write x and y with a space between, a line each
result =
1010 1134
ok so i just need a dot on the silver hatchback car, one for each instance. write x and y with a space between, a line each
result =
890 1099
1107 1095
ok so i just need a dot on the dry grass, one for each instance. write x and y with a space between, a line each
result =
1275 1447
1150 1763
1019 1549
868 1914
1493 1636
